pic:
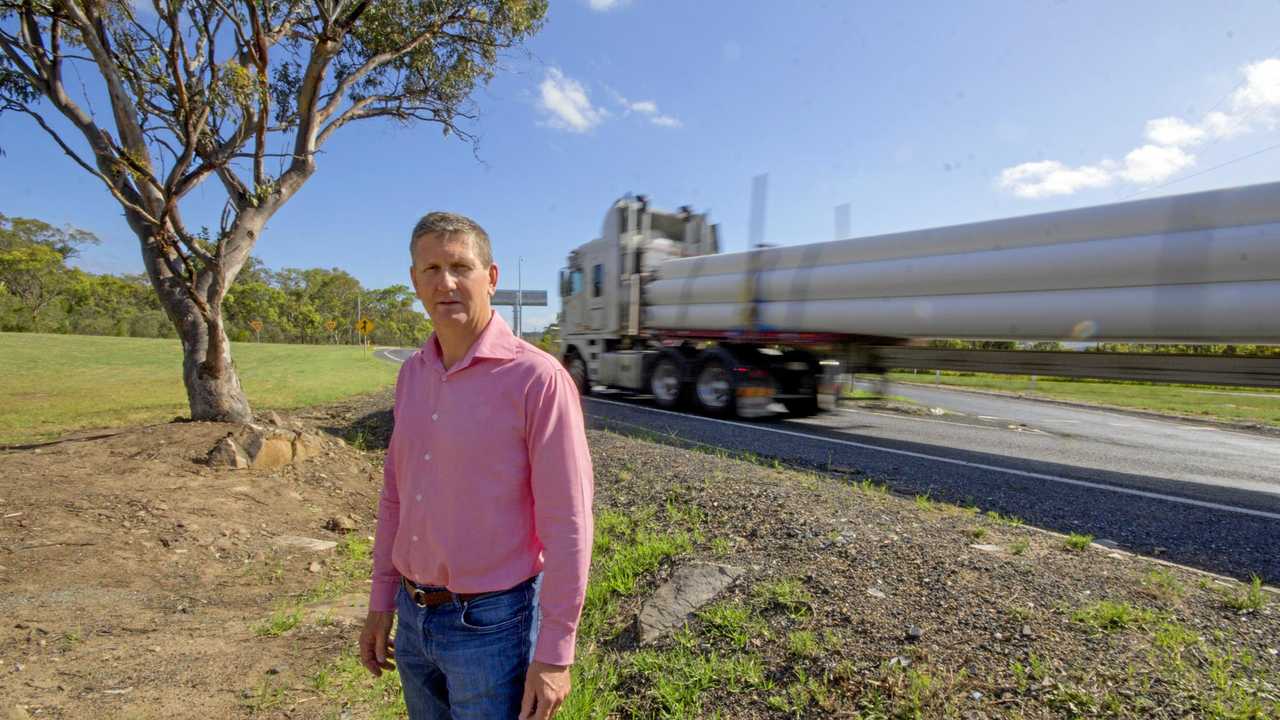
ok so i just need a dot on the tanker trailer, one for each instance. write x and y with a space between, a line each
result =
653 306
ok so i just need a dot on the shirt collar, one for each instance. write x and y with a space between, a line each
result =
496 341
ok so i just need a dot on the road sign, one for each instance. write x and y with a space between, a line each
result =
364 326
256 325
330 325
531 298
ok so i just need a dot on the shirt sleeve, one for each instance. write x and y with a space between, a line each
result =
386 579
562 485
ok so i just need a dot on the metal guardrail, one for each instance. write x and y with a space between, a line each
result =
1151 367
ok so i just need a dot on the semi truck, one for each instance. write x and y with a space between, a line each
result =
652 305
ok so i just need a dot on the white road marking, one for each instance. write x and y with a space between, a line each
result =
965 463
921 419
991 417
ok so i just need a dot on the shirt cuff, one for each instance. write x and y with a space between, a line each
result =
382 596
554 648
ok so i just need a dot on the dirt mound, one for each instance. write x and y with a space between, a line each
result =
139 581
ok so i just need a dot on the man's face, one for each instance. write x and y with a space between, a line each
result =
452 282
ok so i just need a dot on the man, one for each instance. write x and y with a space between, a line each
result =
484 523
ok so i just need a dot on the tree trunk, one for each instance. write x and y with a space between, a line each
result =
213 387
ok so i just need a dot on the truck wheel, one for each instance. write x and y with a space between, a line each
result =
666 381
803 407
578 371
715 389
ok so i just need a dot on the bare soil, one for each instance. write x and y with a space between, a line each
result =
138 582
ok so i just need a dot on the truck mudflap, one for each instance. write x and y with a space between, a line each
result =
755 397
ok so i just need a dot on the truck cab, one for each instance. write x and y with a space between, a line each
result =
605 339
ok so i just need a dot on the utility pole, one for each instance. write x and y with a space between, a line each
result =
519 297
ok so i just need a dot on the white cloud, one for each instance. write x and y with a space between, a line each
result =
1173 131
1261 90
647 108
1154 163
604 5
1050 177
566 104
1253 106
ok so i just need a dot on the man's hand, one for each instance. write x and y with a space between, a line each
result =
545 688
376 649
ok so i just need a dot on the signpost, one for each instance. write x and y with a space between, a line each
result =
331 325
519 299
257 330
364 326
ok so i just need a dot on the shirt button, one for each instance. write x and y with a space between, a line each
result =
435 416
418 497
427 456
415 538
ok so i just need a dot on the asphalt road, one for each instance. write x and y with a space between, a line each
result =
1187 492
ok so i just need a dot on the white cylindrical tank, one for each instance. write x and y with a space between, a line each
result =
1253 205
1232 254
1236 312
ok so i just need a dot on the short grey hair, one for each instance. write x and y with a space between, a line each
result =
447 223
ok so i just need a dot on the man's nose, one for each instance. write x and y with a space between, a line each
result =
447 281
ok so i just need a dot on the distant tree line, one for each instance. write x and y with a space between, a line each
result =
41 292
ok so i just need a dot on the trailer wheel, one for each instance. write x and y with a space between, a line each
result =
802 382
715 388
666 381
578 372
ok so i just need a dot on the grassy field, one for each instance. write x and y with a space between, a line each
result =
1250 405
58 383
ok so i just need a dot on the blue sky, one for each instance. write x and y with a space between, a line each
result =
917 114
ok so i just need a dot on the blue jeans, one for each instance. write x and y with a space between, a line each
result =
467 660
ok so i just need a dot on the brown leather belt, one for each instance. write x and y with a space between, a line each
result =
431 598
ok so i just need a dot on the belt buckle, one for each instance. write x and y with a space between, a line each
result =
419 597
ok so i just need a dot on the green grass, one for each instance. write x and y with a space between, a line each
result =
1077 542
1249 599
1227 403
789 594
281 621
58 383
1111 616
734 622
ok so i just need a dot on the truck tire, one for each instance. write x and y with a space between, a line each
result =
666 381
715 389
577 368
805 383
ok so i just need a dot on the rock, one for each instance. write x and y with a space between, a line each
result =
276 669
273 418
18 712
267 449
227 454
1026 631
1107 543
306 445
876 593
304 543
984 547
914 633
975 695
340 524
313 567
689 588
899 661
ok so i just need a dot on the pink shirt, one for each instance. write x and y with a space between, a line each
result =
488 481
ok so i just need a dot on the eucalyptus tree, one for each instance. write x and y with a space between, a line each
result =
223 91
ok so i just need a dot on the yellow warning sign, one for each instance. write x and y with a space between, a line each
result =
364 326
